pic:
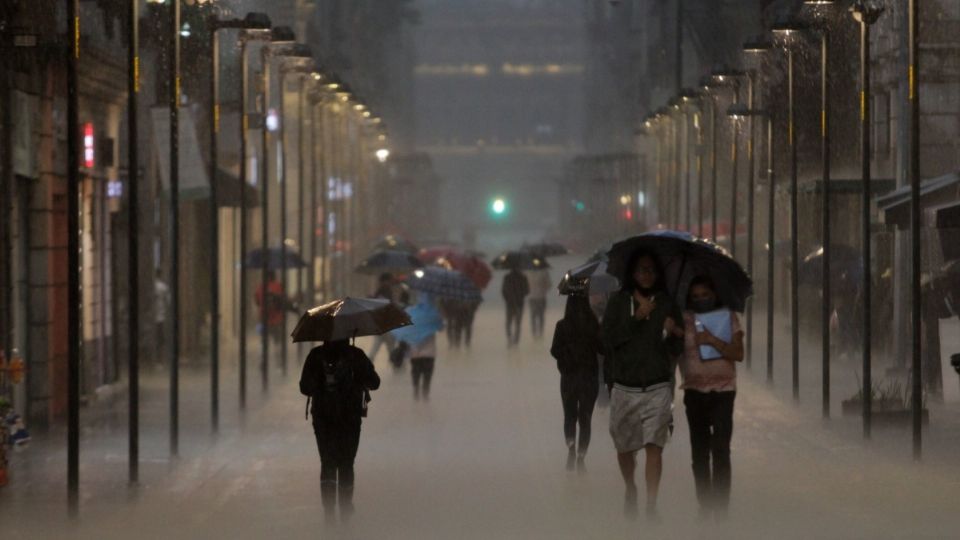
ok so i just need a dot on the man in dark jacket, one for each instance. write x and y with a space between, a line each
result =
515 290
642 333
337 377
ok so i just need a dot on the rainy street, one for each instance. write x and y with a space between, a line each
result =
484 458
444 269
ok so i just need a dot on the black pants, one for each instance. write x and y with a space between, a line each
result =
538 308
422 370
579 394
468 315
337 442
710 416
514 318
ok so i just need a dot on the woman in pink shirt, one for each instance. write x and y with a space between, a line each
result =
710 386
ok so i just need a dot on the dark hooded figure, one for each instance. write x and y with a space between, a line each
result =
576 345
337 377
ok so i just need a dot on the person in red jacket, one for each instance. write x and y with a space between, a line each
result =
276 305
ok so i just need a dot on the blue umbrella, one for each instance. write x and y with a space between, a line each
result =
427 321
444 283
275 258
681 257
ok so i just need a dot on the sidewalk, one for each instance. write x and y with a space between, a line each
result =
941 437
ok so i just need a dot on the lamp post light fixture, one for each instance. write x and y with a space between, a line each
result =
787 31
866 14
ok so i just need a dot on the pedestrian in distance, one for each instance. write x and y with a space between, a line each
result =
276 303
337 378
161 308
422 353
713 344
540 286
386 289
642 333
576 347
515 289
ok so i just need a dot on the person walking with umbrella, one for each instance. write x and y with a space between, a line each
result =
386 289
576 347
713 344
276 304
337 379
642 333
514 290
421 339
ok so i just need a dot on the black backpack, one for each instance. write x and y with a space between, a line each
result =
338 395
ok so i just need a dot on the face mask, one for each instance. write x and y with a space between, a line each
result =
703 306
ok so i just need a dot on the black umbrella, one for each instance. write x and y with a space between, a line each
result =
599 255
520 260
546 249
396 243
275 258
348 318
845 261
392 261
590 278
681 257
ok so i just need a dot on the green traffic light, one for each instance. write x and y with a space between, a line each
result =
499 207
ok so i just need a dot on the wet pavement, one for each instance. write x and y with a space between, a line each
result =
483 458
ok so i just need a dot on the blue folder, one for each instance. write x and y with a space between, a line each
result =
720 324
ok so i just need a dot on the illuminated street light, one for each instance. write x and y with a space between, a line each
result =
382 155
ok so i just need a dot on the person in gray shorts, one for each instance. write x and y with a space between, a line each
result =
642 333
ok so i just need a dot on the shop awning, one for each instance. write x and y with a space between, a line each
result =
228 191
194 182
934 193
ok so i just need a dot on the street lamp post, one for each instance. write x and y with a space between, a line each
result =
827 295
739 112
866 15
787 30
74 300
913 75
707 85
174 75
733 77
252 22
133 259
290 64
753 79
245 38
280 36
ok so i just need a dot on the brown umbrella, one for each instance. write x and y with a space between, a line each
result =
348 318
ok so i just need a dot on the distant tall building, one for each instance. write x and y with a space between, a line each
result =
498 97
